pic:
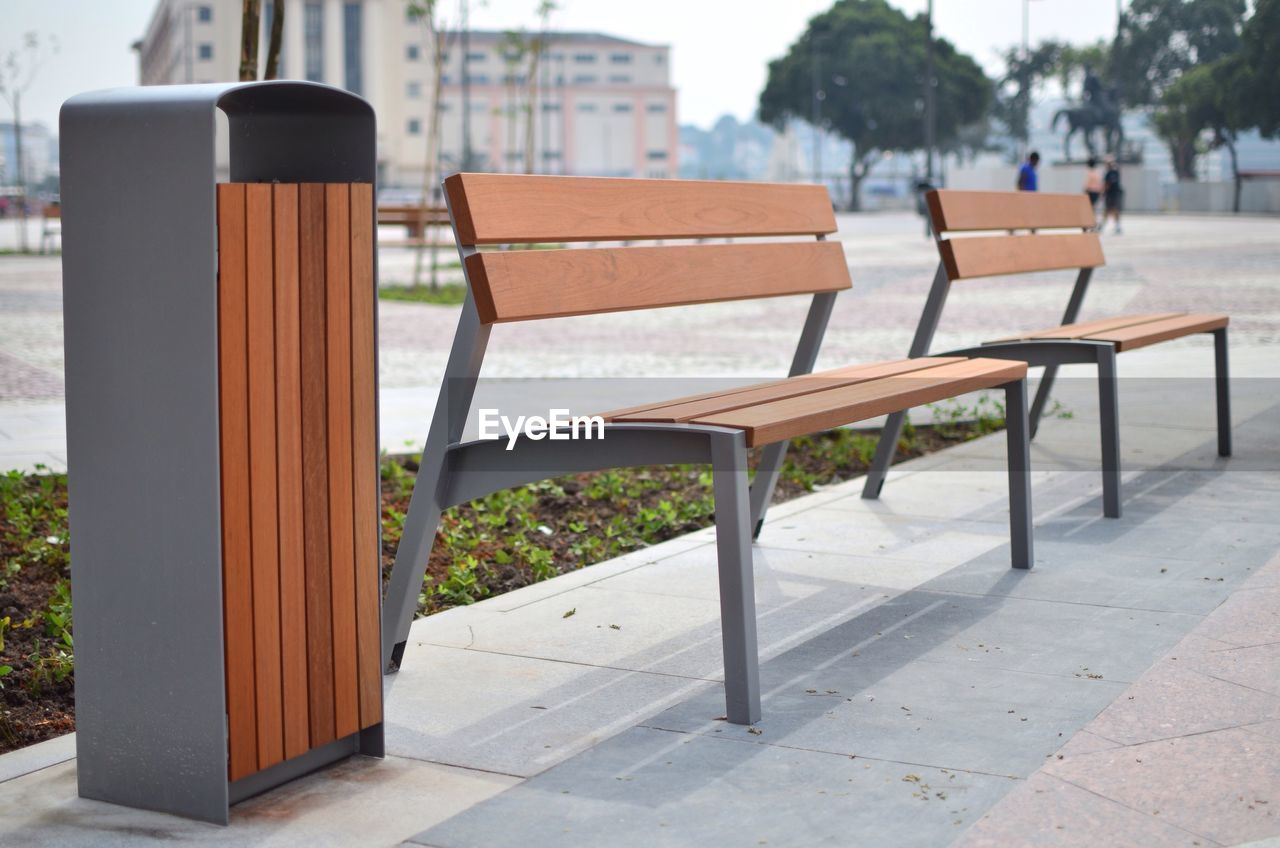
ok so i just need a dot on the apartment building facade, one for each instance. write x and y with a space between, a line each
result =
591 104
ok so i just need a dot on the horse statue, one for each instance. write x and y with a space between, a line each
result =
1100 110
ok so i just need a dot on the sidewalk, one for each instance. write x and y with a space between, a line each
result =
916 688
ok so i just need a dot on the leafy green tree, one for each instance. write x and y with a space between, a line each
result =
1158 40
869 58
1259 95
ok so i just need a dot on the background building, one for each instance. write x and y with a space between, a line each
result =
600 105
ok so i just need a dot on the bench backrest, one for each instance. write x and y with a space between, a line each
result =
1033 250
519 285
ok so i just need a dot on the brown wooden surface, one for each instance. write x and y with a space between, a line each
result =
293 580
315 461
364 381
957 211
1084 328
517 285
695 408
501 208
821 410
262 474
233 424
1151 332
992 256
341 529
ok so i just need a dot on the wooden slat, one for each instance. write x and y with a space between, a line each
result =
520 285
1081 329
365 455
958 211
315 461
233 394
690 409
262 474
822 410
992 256
1141 335
338 394
508 208
293 579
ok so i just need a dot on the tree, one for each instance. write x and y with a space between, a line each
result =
1207 99
1015 90
250 35
437 40
1259 99
1158 40
18 70
874 57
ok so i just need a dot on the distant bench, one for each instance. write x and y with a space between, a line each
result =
715 428
415 219
1097 342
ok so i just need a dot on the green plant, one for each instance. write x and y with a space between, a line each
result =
49 669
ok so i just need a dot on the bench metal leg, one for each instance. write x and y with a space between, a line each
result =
885 450
1224 391
1109 410
1042 397
737 585
766 480
1017 435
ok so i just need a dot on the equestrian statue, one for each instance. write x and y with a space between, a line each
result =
1100 110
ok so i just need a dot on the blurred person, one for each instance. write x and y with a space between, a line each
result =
1093 186
1027 173
1112 194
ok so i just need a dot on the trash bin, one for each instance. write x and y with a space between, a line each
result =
222 439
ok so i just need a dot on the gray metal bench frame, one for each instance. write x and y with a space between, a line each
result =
453 472
1049 354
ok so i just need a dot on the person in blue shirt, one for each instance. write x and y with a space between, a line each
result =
1027 173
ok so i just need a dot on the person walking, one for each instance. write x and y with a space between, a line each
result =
1093 185
1027 173
1112 194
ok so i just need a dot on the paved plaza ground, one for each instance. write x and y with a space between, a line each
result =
917 691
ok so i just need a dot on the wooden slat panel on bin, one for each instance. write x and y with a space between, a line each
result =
341 529
260 326
365 455
293 579
315 460
233 392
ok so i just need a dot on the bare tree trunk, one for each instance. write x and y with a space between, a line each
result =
430 167
277 37
858 167
249 22
22 175
1235 172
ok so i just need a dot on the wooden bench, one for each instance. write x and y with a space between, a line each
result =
415 219
716 427
1060 236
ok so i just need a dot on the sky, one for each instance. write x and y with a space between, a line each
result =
720 48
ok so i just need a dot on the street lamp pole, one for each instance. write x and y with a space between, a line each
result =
929 104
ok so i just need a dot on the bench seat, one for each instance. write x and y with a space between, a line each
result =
1128 332
784 409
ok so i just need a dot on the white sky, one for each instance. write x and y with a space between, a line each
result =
719 47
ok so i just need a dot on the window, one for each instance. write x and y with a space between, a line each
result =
657 174
620 58
584 79
313 41
550 155
513 79
622 107
586 107
619 79
414 127
442 106
584 58
204 14
413 89
412 53
659 58
477 57
205 51
657 108
478 79
656 155
551 107
353 46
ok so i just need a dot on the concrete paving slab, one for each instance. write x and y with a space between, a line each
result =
357 802
647 787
